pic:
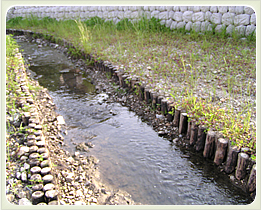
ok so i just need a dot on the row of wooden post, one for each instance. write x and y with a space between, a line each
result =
209 142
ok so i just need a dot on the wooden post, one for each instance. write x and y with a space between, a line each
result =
164 106
201 138
170 109
242 162
231 161
176 117
251 184
154 99
51 195
193 133
221 151
147 95
183 123
188 130
159 99
141 92
209 145
37 197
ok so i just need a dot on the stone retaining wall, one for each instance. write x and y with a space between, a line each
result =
241 19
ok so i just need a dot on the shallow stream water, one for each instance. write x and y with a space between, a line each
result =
132 156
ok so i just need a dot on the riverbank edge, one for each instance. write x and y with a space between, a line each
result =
235 163
39 165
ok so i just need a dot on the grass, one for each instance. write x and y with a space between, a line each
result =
192 69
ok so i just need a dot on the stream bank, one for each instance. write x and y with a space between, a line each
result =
38 170
152 117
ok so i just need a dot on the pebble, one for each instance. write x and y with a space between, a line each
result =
79 203
18 175
24 201
37 187
10 197
175 140
23 158
48 186
69 177
22 151
48 178
26 166
51 194
24 177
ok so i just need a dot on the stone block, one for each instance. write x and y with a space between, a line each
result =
181 25
125 8
250 29
204 26
239 10
152 8
105 14
230 29
208 16
127 14
133 8
176 8
116 20
187 16
253 19
222 9
162 22
120 14
173 25
134 15
228 18
188 26
242 19
147 14
190 8
204 8
178 16
110 14
196 8
249 10
216 18
164 15
213 9
196 26
155 14
161 8
171 14
198 16
183 8
219 28
169 22
169 8
240 30
146 8
210 27
232 9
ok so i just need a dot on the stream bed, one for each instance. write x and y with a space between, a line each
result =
132 156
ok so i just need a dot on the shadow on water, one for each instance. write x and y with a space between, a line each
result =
132 156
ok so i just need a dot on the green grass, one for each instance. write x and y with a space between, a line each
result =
189 68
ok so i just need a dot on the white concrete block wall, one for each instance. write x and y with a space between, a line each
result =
242 19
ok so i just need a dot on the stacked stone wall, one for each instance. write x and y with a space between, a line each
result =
241 19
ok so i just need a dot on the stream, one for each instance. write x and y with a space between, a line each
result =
132 156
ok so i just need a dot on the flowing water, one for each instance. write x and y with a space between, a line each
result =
132 156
